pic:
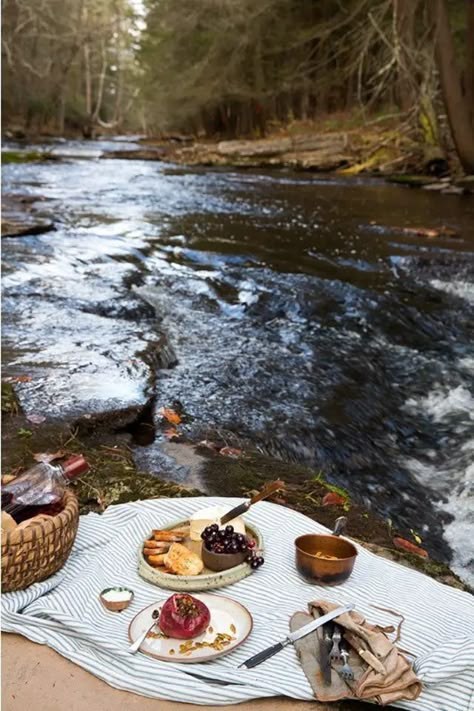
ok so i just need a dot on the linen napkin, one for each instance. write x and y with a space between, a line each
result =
382 674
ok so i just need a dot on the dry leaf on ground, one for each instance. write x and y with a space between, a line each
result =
35 419
410 547
170 415
17 379
333 499
230 452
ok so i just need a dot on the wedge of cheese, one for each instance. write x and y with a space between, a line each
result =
206 517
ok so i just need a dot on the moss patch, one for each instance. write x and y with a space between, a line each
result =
26 157
10 404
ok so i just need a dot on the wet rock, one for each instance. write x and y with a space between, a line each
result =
466 182
20 218
28 225
453 190
131 309
87 345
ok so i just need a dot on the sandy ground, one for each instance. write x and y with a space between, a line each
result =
35 677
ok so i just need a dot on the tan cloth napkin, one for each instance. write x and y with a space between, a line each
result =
382 674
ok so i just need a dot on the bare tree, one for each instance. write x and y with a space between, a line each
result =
458 98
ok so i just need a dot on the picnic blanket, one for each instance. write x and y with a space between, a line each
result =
64 612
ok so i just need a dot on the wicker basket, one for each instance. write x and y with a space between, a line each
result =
35 552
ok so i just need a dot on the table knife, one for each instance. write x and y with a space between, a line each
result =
243 508
294 636
325 644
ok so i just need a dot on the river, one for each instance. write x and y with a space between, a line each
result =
299 319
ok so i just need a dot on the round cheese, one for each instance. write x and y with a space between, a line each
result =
206 517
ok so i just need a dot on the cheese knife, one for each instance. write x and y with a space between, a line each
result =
243 508
294 636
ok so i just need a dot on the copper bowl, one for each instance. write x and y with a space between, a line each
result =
328 571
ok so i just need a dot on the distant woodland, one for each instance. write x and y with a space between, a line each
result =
231 68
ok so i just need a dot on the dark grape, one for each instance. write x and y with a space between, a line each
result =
243 547
239 537
233 548
249 558
260 560
229 530
254 564
211 536
204 535
214 527
221 535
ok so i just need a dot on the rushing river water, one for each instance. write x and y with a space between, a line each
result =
301 318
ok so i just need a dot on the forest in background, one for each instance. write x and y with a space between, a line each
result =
237 68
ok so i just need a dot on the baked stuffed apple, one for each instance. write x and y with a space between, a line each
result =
184 616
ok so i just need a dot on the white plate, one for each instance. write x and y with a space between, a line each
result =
226 616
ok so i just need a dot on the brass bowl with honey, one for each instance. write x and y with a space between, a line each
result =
325 559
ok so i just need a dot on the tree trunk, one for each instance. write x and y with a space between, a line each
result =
404 14
456 102
469 73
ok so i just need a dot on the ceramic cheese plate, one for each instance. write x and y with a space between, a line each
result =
207 579
229 626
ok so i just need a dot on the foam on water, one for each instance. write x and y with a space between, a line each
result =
464 289
452 477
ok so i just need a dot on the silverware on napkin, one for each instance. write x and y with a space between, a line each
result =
294 636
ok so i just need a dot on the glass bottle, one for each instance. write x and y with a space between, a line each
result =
42 485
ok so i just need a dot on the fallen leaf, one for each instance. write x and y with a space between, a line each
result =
47 456
334 499
172 433
170 415
36 419
230 452
408 546
431 232
17 379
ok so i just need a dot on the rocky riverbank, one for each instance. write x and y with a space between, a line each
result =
225 471
397 159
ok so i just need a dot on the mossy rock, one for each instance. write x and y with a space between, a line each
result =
26 157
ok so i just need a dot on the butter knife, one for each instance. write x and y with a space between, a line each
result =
325 645
294 636
243 508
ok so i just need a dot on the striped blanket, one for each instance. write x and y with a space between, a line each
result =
64 612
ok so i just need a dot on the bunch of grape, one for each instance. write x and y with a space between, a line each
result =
225 540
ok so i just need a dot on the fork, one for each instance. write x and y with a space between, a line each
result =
335 653
346 672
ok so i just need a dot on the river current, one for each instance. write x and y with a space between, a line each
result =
302 319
